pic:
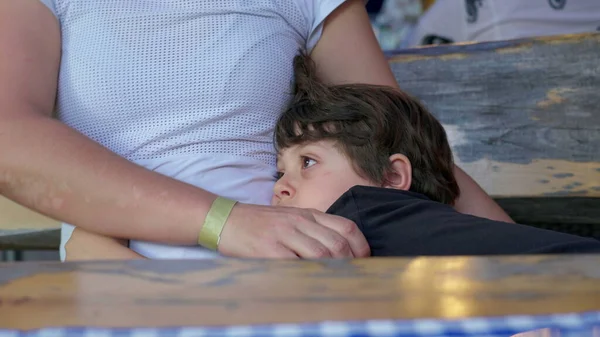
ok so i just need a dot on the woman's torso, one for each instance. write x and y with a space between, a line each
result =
157 79
190 89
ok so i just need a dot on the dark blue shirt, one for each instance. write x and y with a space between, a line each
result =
401 223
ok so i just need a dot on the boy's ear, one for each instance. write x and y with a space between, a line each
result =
400 174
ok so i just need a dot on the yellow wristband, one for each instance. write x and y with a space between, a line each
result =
210 234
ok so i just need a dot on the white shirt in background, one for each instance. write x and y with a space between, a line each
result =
448 21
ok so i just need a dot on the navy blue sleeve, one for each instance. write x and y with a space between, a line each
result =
400 223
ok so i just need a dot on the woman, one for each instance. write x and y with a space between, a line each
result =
163 105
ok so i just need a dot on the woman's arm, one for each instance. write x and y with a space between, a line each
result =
84 245
473 199
55 170
348 52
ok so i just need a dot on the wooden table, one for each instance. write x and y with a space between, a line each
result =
226 292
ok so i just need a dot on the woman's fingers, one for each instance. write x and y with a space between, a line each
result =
305 246
336 245
348 230
279 251
283 232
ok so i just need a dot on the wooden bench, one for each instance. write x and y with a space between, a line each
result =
522 116
155 293
21 228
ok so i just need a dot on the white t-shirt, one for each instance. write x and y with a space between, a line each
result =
448 21
188 88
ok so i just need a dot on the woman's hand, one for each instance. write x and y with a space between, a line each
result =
286 232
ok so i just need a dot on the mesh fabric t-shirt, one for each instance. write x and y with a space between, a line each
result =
188 88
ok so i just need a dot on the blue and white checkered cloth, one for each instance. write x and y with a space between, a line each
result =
568 325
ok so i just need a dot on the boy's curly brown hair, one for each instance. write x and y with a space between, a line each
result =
369 123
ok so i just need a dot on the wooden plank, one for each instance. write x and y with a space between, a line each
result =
522 116
16 217
227 291
572 211
573 215
21 228
30 239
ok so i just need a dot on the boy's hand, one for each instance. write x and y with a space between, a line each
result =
286 232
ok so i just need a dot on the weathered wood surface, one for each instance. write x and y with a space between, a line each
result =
569 212
226 292
21 228
523 116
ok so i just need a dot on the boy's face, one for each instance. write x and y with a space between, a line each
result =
313 175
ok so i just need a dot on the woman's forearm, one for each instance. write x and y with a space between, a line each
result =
58 172
475 201
86 246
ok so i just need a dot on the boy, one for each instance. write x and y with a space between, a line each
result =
376 156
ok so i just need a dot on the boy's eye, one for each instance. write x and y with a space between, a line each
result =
307 162
278 175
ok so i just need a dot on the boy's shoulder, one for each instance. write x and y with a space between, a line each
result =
401 223
367 196
362 204
387 193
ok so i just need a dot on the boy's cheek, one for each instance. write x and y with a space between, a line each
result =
311 200
323 200
319 196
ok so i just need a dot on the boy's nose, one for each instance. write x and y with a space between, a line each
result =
283 190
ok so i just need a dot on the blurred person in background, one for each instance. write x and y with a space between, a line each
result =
450 21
